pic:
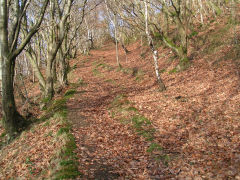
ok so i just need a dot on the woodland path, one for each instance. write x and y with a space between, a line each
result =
195 122
108 149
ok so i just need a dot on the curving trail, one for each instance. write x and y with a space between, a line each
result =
196 120
107 149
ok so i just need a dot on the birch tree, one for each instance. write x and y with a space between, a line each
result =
153 49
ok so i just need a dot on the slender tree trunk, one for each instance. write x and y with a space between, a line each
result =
114 22
183 50
73 53
54 71
201 10
116 40
125 51
34 63
154 51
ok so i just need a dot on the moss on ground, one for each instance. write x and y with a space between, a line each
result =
104 66
67 162
123 110
96 72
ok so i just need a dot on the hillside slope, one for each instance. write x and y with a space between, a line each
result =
195 121
124 128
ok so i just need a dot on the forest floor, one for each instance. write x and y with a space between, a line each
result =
126 129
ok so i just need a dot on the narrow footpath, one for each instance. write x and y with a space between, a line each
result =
108 149
126 129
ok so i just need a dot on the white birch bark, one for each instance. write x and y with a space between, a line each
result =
201 10
154 51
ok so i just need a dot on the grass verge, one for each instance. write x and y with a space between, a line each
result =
123 110
46 150
67 167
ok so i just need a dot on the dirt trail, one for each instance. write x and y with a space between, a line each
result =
107 149
196 119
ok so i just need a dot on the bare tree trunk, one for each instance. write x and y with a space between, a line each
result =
114 22
125 51
201 10
154 51
13 121
56 38
116 40
9 50
49 90
34 63
62 73
89 36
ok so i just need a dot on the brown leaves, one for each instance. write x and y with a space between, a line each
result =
31 154
196 121
200 130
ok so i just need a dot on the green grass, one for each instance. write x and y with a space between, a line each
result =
70 92
163 158
68 164
74 67
46 124
3 139
30 165
122 109
99 64
63 130
131 108
110 81
57 105
95 63
3 135
139 120
104 66
153 147
96 72
174 70
143 127
81 82
162 71
67 159
124 70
